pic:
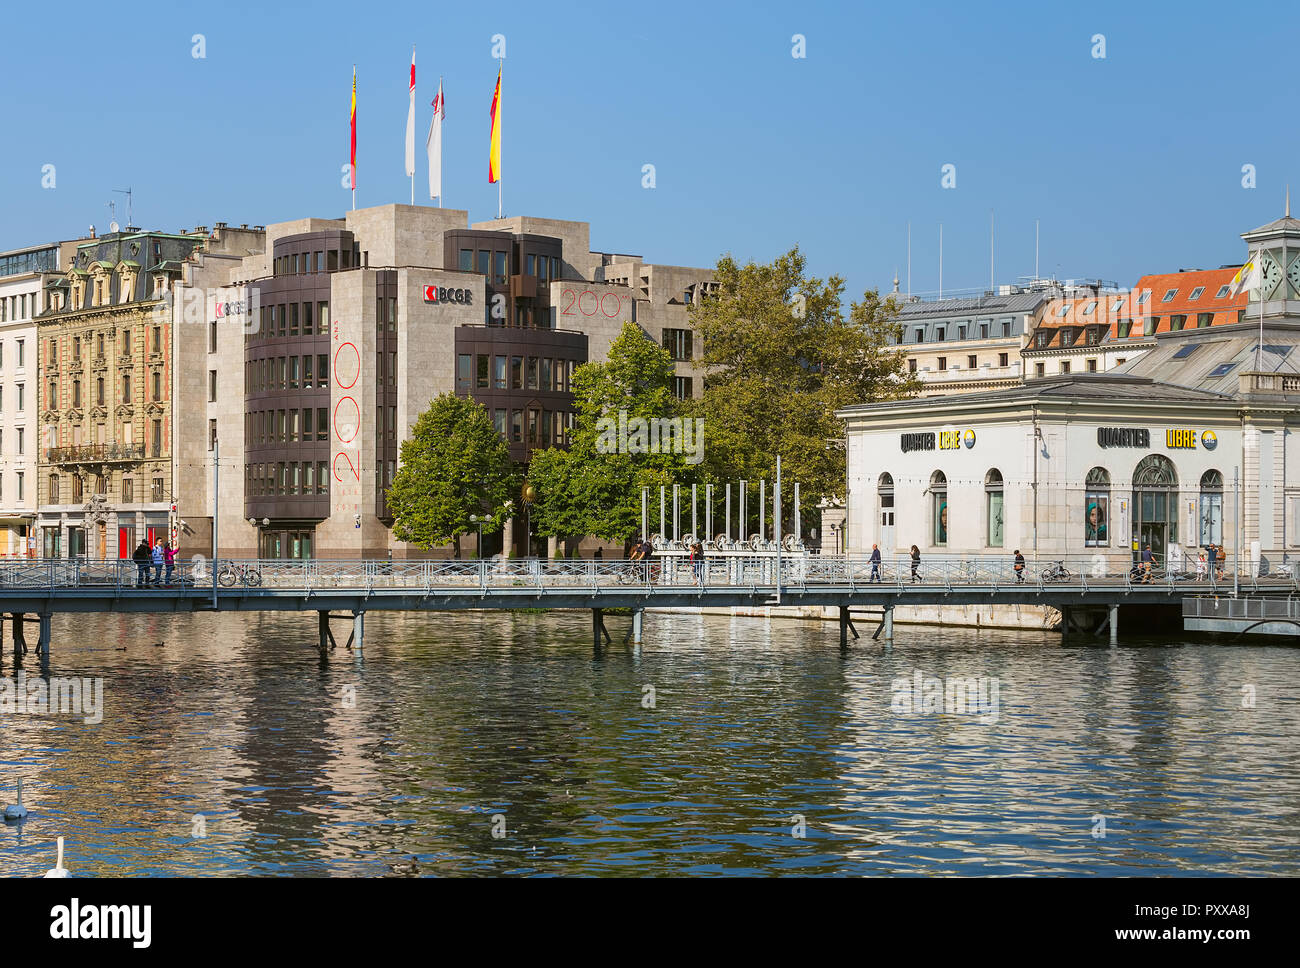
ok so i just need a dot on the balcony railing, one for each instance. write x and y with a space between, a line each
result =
94 452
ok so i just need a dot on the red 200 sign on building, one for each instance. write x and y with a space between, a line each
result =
347 414
586 302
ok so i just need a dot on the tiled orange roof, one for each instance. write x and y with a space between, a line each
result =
1143 301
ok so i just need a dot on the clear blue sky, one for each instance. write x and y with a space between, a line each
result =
1132 163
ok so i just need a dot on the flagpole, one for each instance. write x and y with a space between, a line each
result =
501 66
412 127
354 137
435 121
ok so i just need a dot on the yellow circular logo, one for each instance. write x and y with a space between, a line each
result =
1209 440
968 438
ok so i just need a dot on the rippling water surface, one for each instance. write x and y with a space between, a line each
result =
697 753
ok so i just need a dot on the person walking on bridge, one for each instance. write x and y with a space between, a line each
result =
157 557
169 559
142 560
1019 565
1148 562
875 563
916 562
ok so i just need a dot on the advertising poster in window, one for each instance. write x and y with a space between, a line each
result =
1095 521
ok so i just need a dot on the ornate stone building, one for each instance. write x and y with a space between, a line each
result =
105 393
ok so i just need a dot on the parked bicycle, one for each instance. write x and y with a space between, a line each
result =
1057 572
232 573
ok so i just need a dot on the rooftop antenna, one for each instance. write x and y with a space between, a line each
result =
127 193
1035 249
112 216
940 260
992 286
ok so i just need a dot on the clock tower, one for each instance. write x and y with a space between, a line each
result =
1278 245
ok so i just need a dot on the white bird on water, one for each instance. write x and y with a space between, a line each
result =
16 811
59 869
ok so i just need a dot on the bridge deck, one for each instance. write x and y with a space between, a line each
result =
46 587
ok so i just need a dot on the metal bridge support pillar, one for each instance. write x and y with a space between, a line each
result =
20 638
598 628
1065 622
323 631
358 630
887 621
43 639
846 626
638 616
1114 625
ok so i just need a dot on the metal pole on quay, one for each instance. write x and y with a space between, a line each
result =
216 513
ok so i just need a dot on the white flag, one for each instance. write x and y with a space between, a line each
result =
434 143
410 124
1248 277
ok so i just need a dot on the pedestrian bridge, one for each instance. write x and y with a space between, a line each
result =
355 586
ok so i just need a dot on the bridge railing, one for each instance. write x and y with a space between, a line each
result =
662 571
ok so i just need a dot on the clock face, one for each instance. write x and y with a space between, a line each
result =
1294 275
1270 276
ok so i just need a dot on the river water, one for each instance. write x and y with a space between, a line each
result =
502 744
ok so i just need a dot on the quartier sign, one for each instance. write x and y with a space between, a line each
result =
1123 437
441 294
943 440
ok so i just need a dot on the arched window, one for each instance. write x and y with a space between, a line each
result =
1155 505
1211 517
1096 507
993 505
1155 470
939 507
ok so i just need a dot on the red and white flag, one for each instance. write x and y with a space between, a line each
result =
410 124
434 144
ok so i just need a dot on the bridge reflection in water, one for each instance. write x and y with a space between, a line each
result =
1099 583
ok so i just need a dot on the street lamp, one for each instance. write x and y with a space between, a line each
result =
478 521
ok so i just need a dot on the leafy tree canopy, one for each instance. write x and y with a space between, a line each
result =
454 464
779 359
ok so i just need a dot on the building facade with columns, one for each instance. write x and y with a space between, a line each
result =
106 397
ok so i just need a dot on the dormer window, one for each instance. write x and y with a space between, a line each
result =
1196 294
1223 291
1065 308
1169 296
1087 310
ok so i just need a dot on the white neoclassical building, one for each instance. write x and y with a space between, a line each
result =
1191 444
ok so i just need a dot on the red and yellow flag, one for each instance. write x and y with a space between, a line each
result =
494 152
353 165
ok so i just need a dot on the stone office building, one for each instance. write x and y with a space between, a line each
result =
358 324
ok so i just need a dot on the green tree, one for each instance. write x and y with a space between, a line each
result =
453 465
779 358
594 487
